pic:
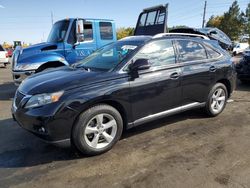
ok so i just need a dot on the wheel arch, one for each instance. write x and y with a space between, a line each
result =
227 83
115 104
50 64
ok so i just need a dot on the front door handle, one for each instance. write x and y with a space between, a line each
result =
212 69
174 75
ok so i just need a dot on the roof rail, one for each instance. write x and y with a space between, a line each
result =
180 34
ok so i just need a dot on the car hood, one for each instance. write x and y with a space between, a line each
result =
63 78
37 49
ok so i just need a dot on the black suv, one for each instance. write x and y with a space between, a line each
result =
122 85
243 67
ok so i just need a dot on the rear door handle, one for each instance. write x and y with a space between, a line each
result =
212 69
174 75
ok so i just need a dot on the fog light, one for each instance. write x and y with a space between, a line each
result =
42 130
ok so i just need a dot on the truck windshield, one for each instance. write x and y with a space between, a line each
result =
58 31
109 56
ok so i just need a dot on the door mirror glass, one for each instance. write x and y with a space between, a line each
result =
79 30
139 64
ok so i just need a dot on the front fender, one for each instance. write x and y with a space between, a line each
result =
40 59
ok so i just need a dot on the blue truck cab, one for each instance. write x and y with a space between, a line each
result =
69 41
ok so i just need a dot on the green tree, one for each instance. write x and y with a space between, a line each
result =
124 32
247 21
232 23
214 21
177 27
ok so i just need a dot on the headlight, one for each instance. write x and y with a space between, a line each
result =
31 66
42 99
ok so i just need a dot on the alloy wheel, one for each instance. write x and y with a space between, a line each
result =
218 100
100 131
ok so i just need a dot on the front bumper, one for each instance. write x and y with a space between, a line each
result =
4 61
51 124
19 76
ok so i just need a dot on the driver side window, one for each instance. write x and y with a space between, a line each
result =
159 53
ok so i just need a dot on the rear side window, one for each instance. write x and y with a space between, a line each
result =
106 30
212 53
190 51
159 53
1 48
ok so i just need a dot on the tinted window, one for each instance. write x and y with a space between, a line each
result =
190 51
58 31
1 48
106 30
161 17
151 18
143 19
88 31
159 53
72 34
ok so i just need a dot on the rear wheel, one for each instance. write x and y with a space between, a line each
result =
217 100
97 130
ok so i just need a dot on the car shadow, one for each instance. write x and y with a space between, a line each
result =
18 148
165 121
243 86
8 90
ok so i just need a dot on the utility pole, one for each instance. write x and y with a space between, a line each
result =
204 15
166 19
52 18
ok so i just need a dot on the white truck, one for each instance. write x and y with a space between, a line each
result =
241 46
4 60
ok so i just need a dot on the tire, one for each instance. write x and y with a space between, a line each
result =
215 103
91 134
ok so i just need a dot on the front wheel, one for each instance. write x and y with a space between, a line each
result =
217 100
97 130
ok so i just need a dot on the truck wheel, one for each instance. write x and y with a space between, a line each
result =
97 130
217 100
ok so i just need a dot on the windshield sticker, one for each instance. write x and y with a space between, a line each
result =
128 47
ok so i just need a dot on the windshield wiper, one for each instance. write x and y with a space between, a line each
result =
85 68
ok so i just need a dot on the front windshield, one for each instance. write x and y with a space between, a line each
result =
58 31
108 56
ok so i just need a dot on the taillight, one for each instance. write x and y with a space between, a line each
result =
6 55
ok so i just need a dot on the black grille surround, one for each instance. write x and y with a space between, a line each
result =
18 98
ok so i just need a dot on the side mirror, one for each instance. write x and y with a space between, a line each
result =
139 64
80 30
